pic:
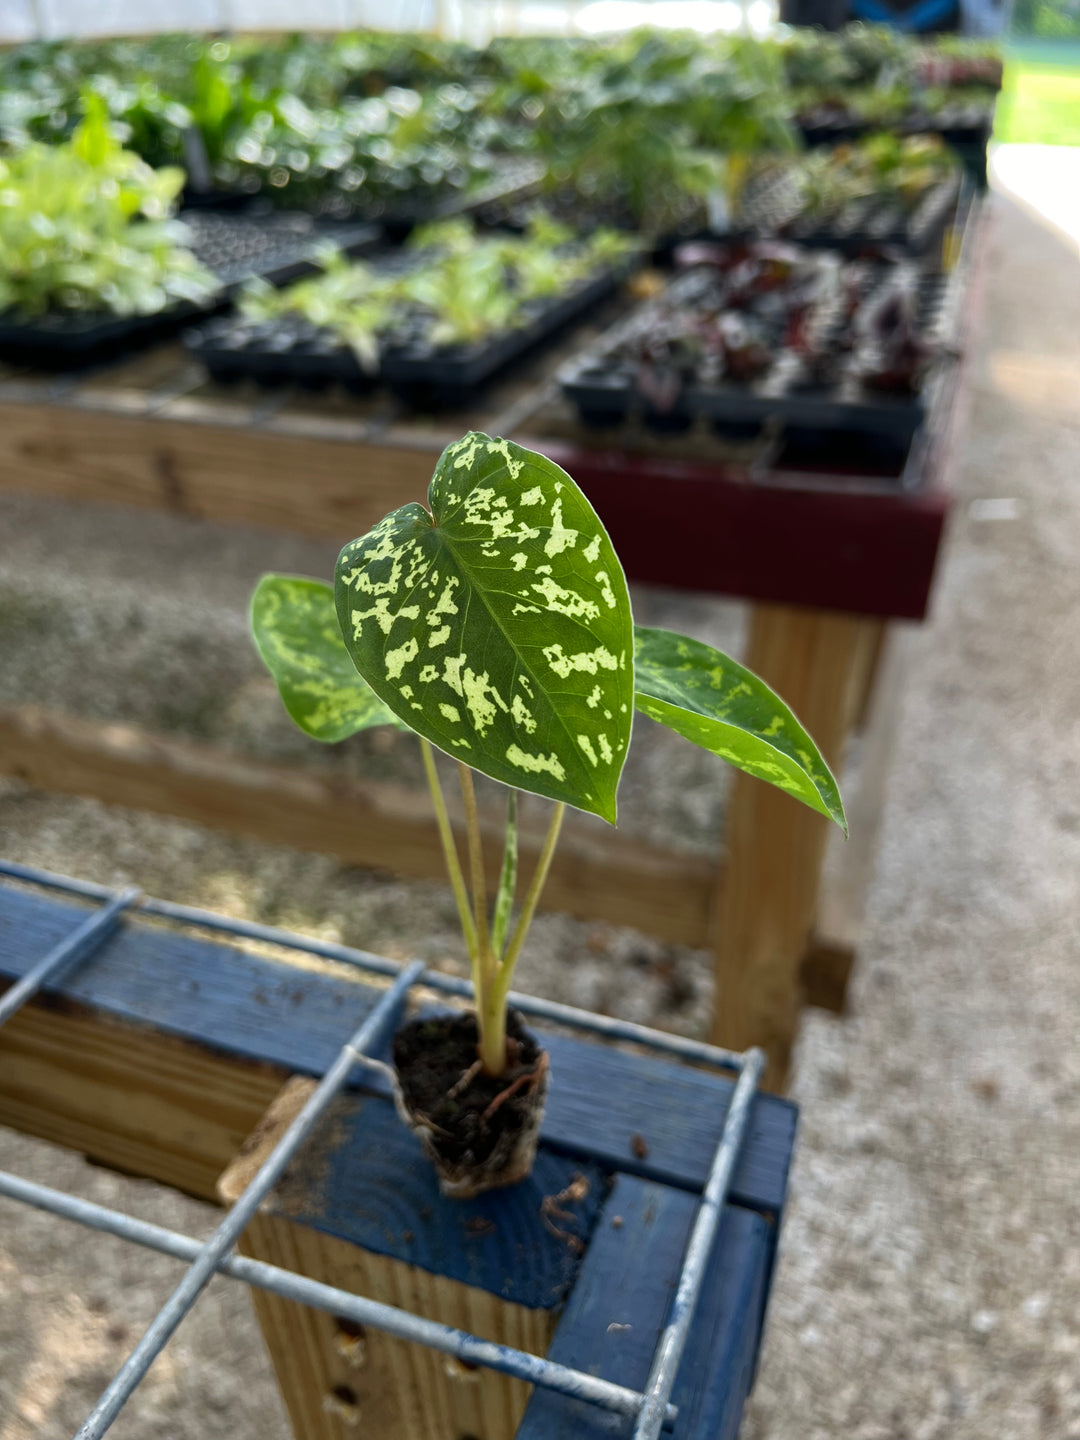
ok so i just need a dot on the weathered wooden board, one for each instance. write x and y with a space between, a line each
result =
598 875
213 471
239 1009
809 539
776 846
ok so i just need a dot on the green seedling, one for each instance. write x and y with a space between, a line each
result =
85 226
495 624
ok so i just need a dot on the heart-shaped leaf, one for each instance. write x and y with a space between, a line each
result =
498 625
297 634
723 707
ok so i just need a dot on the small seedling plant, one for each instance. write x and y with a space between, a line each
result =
461 287
86 226
495 623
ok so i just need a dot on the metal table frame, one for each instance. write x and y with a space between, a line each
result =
651 1408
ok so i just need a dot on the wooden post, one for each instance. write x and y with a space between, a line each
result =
849 868
817 661
338 1380
360 1209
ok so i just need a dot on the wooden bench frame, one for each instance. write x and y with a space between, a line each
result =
827 562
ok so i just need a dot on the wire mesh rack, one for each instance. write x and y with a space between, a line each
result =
650 1409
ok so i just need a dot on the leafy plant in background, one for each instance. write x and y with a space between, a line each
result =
463 286
362 155
85 226
900 167
496 625
638 129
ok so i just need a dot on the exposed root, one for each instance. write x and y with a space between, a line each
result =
527 1081
552 1208
467 1077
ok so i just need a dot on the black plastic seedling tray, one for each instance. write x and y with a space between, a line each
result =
235 247
276 248
830 421
867 224
512 184
282 351
966 129
70 341
447 377
290 349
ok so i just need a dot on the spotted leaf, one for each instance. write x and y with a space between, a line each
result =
297 634
497 623
723 707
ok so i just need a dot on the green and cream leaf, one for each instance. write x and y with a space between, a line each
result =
498 623
723 707
297 634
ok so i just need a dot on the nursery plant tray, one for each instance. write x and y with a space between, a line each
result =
829 422
235 247
513 182
293 350
964 128
869 223
277 248
61 341
825 127
285 350
449 376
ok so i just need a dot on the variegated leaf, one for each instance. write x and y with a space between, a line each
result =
297 634
723 707
498 624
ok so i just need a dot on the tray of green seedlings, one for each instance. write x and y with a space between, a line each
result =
91 259
839 356
94 262
434 321
397 159
883 192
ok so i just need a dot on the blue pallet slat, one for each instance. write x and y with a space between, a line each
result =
614 1316
219 996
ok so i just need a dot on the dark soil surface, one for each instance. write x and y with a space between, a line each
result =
433 1054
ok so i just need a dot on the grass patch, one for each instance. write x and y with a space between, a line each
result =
1040 101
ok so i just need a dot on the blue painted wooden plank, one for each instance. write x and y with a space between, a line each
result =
216 995
612 1321
364 1178
675 1112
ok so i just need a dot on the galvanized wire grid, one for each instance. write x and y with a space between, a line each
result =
651 1409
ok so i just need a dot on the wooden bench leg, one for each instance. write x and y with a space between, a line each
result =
817 661
849 869
340 1380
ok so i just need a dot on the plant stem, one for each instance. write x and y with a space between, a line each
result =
504 898
453 865
476 869
536 886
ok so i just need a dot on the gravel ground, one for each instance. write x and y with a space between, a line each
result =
143 619
931 1264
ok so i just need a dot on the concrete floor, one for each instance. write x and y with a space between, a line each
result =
931 1256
